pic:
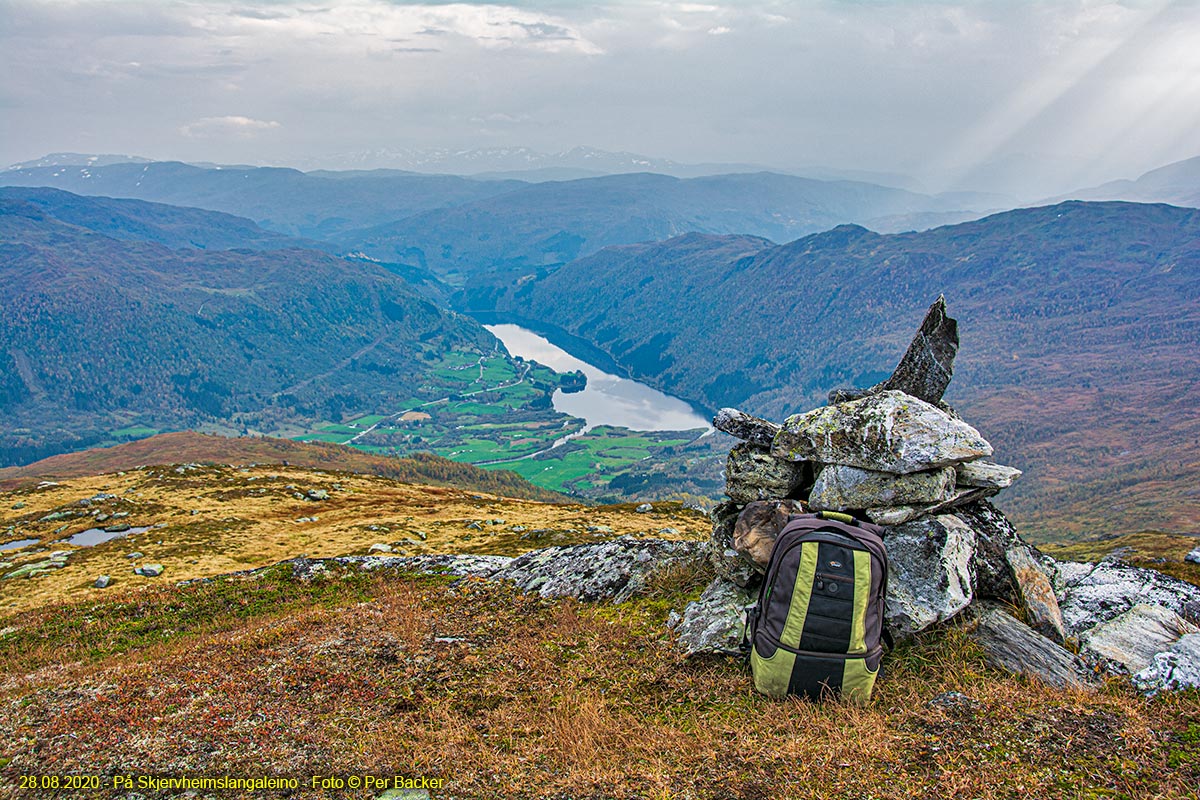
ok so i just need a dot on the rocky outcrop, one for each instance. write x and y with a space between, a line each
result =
1128 642
1092 594
615 570
898 456
1176 668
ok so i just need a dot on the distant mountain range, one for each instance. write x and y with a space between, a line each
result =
101 326
1080 335
1177 184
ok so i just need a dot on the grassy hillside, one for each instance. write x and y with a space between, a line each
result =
504 695
98 332
188 447
199 521
1080 339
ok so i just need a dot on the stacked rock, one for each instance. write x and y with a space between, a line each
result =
898 456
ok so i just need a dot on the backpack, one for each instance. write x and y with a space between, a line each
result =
818 623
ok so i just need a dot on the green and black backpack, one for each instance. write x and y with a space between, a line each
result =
818 626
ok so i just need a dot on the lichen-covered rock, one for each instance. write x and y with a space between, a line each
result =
726 561
754 430
930 577
1013 646
839 488
1193 556
987 475
1175 669
714 624
1036 592
995 536
752 473
758 526
1096 593
890 431
614 570
1128 642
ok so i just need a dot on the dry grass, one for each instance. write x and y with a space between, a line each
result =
509 695
217 520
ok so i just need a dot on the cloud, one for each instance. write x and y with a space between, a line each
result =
224 127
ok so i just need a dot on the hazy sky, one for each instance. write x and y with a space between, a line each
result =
928 88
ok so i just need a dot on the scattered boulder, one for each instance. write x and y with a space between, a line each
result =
1093 594
930 579
17 506
1175 669
102 582
752 473
149 570
316 495
1013 646
840 488
379 547
714 624
890 432
644 508
134 555
1193 556
1128 642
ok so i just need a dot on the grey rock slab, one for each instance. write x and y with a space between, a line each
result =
840 488
1128 642
149 570
614 570
1175 669
1193 556
746 427
1091 596
752 473
102 582
644 508
1036 592
930 575
714 624
1013 646
987 474
890 432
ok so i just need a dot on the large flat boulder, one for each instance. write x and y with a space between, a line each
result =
987 475
1128 642
930 577
715 623
840 488
890 431
752 473
1091 594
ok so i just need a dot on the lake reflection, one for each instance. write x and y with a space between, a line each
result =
608 399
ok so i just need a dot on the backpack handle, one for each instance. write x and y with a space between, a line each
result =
837 516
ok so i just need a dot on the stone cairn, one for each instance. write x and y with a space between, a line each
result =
897 455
